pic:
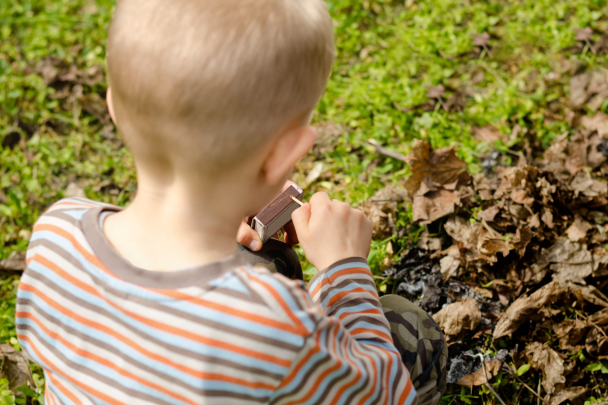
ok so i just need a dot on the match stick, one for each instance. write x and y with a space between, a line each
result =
296 200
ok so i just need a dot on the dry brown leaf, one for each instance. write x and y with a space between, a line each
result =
521 197
491 246
566 394
428 243
596 343
482 40
597 122
584 34
53 69
434 205
443 166
478 378
381 210
582 149
450 263
435 91
583 184
15 262
489 213
527 308
484 292
547 218
570 332
542 357
578 89
489 134
600 317
578 230
74 191
15 367
327 136
462 230
456 318
589 293
570 262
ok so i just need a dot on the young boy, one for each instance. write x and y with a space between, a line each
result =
153 304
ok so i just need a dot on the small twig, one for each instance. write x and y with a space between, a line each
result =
518 394
440 99
590 46
383 151
524 384
493 73
592 323
596 388
487 50
490 230
487 383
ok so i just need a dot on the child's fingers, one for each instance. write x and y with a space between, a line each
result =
291 236
320 198
248 237
301 218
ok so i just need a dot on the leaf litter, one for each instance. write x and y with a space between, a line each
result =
514 254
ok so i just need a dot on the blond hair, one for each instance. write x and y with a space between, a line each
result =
214 79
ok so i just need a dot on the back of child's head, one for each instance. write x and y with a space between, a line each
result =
213 80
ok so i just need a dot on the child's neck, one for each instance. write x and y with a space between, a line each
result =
173 227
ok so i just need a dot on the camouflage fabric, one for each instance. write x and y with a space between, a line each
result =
276 256
419 340
422 345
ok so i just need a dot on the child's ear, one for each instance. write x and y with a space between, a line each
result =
110 104
287 149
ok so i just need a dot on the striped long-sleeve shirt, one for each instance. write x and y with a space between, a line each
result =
107 332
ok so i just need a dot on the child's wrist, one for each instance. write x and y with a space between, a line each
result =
338 260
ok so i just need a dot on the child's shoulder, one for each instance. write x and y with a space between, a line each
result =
287 299
70 210
74 203
62 219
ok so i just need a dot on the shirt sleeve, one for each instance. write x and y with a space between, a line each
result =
349 358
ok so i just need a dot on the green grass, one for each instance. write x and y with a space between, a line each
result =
388 54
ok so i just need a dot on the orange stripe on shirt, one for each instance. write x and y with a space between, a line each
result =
79 384
119 370
353 380
160 325
313 390
62 388
302 330
338 296
372 361
295 371
330 279
406 391
384 336
92 259
194 300
71 204
95 325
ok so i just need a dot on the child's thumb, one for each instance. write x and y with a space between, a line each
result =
249 237
301 218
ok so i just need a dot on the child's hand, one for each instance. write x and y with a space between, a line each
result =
330 230
248 237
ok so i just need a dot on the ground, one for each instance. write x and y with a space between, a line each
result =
483 75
